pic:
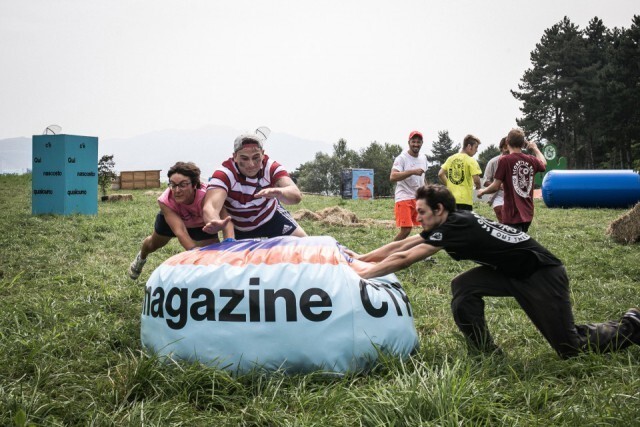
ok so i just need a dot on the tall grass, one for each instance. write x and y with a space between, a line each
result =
70 352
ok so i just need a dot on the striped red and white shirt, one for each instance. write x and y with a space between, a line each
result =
247 212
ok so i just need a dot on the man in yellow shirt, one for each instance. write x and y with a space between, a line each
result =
461 172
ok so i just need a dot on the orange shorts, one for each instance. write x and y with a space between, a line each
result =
406 214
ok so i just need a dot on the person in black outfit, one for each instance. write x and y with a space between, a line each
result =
512 264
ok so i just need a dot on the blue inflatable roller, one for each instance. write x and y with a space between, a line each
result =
591 188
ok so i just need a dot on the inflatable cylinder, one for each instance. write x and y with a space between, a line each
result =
591 188
287 303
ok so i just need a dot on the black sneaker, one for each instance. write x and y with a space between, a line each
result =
633 316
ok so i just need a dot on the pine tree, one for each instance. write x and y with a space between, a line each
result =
622 78
549 90
441 149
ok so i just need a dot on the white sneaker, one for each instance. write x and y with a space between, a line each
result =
136 266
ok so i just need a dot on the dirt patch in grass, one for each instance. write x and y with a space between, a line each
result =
117 198
338 216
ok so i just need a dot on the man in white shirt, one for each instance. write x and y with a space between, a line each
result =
408 174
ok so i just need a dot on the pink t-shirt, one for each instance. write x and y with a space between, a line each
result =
190 214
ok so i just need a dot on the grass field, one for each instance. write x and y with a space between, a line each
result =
70 351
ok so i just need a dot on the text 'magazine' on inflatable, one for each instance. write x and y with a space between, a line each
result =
287 303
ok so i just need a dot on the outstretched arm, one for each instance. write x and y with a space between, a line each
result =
495 186
395 261
212 212
285 190
177 226
383 252
399 176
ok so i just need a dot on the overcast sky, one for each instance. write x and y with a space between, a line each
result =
321 70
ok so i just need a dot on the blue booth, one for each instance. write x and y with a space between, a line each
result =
65 175
357 184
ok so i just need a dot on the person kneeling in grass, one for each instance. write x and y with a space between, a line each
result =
180 216
512 264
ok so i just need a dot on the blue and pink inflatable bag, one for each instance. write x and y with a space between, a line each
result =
287 303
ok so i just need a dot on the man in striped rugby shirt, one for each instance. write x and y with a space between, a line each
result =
251 187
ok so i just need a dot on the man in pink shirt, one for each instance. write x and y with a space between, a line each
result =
180 215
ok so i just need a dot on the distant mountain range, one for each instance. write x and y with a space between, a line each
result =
208 147
15 155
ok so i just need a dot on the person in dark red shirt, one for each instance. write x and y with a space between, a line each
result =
516 172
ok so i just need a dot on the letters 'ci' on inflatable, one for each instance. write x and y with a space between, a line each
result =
287 303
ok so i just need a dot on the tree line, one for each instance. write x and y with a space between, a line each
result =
582 94
323 174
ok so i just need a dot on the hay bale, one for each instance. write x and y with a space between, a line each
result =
337 216
626 229
306 214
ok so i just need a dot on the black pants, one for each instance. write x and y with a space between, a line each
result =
522 226
544 296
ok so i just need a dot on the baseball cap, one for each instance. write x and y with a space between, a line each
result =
415 133
245 139
258 137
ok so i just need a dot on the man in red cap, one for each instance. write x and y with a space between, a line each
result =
408 173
